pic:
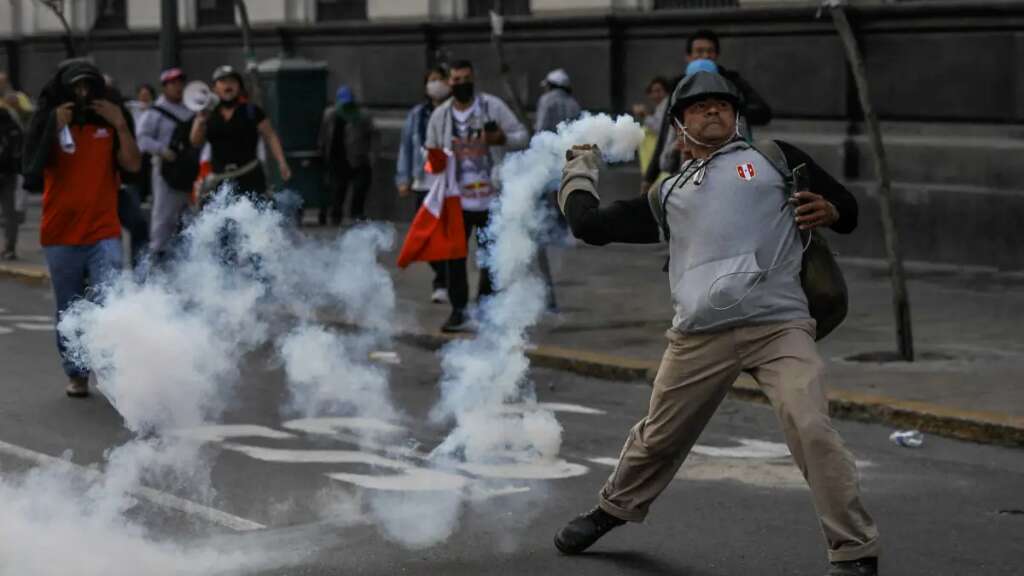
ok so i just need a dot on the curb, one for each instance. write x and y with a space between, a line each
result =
33 273
970 425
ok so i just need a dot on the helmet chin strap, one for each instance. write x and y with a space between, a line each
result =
688 136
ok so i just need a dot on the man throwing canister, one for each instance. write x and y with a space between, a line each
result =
735 242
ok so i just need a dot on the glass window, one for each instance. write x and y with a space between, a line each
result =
215 13
482 8
332 10
111 15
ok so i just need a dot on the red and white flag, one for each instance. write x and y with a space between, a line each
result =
437 231
746 171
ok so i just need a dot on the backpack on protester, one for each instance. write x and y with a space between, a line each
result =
12 140
181 173
820 276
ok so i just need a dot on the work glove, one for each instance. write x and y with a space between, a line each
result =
582 165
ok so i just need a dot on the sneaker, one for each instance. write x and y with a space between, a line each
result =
8 255
77 387
457 322
861 567
584 530
439 295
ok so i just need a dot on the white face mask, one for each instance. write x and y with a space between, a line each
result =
438 89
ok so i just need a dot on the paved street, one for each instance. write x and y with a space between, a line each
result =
739 508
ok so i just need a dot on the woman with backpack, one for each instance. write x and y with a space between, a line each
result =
163 133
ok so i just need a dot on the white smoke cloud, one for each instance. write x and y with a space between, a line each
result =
483 375
166 352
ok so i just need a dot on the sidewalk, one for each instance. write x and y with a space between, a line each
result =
967 382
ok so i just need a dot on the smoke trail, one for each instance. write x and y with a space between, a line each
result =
485 374
166 352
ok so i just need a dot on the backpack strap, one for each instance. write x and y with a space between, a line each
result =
654 201
167 113
773 153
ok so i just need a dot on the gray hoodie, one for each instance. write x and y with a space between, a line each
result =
734 245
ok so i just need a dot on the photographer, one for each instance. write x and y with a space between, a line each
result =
78 141
477 128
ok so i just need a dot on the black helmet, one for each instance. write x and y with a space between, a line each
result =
701 86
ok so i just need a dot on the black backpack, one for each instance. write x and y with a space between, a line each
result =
180 174
11 143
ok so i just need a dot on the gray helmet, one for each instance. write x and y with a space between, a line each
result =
700 86
225 72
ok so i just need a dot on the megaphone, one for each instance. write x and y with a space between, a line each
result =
198 97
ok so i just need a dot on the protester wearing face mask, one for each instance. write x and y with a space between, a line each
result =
410 177
234 130
478 128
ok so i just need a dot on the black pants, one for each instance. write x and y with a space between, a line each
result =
439 267
8 192
359 179
458 280
129 212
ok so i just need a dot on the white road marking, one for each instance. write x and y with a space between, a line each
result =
570 408
5 330
222 432
539 470
753 462
286 456
331 425
552 406
748 448
385 357
26 318
162 499
411 480
35 326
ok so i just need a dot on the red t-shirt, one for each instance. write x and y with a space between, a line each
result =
80 190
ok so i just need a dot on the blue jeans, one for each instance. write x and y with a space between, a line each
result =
70 267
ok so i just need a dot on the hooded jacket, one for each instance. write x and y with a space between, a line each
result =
42 128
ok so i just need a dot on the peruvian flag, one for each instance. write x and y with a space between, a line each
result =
437 231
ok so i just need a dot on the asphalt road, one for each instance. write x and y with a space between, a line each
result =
949 508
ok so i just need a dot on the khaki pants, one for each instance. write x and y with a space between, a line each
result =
696 372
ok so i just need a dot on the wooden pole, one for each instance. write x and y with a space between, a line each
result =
900 297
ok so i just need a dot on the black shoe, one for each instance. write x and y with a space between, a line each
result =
457 322
862 567
584 530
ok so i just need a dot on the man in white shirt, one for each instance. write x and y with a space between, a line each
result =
478 129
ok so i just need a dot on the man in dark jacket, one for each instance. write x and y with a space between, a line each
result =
735 232
346 145
704 45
